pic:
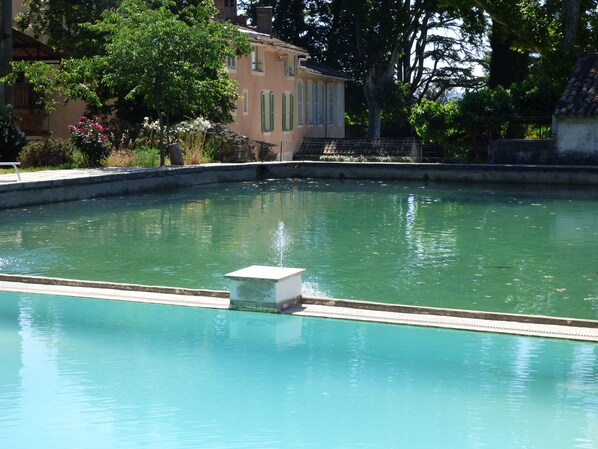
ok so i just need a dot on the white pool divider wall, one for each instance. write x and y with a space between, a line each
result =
265 288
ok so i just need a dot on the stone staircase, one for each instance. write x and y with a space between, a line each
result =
391 150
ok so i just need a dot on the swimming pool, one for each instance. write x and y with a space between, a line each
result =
528 250
89 373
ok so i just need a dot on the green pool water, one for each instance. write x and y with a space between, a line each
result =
80 373
525 250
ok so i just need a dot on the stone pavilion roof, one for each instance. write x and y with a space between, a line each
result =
580 98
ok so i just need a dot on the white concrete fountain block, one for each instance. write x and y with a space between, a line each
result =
265 288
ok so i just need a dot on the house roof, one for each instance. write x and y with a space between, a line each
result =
580 98
311 66
27 48
265 39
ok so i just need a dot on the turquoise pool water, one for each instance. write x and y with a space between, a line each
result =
80 373
508 249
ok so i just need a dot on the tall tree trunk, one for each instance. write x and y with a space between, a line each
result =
5 49
374 107
507 66
570 23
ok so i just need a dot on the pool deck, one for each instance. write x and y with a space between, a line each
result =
535 326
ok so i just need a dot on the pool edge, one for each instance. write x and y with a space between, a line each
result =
524 325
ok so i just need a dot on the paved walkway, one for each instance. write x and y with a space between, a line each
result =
54 175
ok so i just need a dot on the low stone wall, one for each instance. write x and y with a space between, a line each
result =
522 151
123 182
314 149
119 182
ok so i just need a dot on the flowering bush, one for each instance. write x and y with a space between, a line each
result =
91 138
190 135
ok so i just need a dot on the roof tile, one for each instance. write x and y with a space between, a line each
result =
580 98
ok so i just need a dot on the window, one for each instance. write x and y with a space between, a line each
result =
231 62
299 103
330 103
340 115
319 101
257 59
290 65
267 111
322 94
316 95
245 102
288 111
308 102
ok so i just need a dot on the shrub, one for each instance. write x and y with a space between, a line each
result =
224 145
143 156
266 154
120 158
12 139
147 156
47 153
91 138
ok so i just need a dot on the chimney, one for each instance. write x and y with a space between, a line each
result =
264 19
227 9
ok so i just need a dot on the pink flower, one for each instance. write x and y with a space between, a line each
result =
72 128
97 127
83 119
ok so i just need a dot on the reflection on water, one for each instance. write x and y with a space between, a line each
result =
489 248
100 374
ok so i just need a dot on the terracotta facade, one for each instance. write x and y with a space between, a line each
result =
282 100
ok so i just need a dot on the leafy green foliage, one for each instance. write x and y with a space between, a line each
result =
465 127
48 152
558 31
12 139
62 22
436 122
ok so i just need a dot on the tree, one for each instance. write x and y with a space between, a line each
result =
557 31
170 58
418 43
62 23
502 48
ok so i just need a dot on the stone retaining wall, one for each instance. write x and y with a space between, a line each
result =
314 149
123 182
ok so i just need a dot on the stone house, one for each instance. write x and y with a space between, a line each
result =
575 120
284 95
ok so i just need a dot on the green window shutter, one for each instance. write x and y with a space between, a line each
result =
284 112
292 110
263 111
271 111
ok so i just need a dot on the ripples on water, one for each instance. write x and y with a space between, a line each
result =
494 248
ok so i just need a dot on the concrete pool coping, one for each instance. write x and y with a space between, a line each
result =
525 325
52 186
